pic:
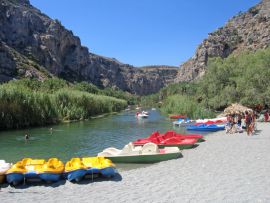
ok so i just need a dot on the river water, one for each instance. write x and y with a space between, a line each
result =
80 139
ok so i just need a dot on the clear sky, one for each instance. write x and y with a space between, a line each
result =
143 32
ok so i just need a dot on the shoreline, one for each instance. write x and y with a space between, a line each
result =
225 168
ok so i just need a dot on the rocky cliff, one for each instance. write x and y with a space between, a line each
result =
33 45
246 31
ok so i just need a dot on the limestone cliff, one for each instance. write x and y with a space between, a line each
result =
246 31
33 45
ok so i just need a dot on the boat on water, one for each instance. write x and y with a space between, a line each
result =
15 175
170 139
51 171
177 116
75 170
4 167
96 166
183 122
205 127
141 115
148 153
154 109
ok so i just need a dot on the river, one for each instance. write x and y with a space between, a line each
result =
80 139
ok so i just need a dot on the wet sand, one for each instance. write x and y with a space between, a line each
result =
225 168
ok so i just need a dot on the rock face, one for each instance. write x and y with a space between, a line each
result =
246 31
33 45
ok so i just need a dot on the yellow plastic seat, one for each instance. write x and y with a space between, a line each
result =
74 164
53 165
19 167
97 162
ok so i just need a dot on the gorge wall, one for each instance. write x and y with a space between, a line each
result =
247 31
33 45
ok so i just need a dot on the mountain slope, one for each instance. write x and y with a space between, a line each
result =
246 31
44 42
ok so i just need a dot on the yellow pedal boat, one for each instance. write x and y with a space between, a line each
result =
75 170
52 170
33 166
99 165
15 174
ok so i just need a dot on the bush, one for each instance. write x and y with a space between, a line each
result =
185 105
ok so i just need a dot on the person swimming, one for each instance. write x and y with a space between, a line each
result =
26 137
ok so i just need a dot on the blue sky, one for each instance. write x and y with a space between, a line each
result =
143 32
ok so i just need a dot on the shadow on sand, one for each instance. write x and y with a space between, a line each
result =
28 184
116 178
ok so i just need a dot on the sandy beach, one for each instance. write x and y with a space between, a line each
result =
225 168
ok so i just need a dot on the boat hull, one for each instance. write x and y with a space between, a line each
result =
205 129
32 176
144 158
181 146
76 175
50 177
15 178
186 146
108 172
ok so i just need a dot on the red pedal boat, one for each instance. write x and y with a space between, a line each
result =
210 122
170 138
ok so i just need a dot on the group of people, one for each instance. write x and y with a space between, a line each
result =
235 123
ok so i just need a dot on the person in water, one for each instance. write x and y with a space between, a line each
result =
26 137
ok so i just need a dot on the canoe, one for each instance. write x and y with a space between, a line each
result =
170 139
148 153
75 170
99 166
15 175
4 167
204 127
51 171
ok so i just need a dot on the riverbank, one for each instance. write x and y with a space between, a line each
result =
30 103
225 168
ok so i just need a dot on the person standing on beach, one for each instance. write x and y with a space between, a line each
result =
253 122
248 122
266 116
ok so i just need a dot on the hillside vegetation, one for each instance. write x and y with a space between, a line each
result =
243 78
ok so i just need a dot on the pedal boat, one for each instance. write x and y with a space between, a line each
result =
33 166
205 127
52 170
99 166
170 139
75 170
148 153
15 175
